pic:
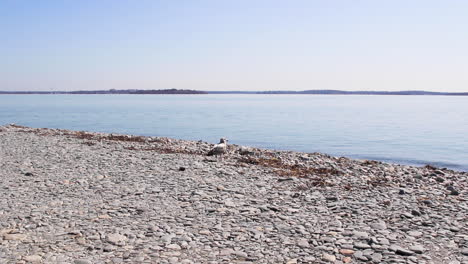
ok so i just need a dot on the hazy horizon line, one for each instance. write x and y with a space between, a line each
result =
329 91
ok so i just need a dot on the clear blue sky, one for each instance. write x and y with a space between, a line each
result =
234 45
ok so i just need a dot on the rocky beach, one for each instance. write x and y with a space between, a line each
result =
81 197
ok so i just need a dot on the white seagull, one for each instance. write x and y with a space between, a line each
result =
219 149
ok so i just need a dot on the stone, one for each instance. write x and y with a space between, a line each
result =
415 233
361 245
108 248
403 252
346 252
328 257
379 225
33 259
464 251
360 255
417 249
384 241
14 237
204 232
376 257
104 216
240 254
303 243
360 235
229 203
82 261
167 238
367 252
245 151
116 238
174 260
173 247
226 252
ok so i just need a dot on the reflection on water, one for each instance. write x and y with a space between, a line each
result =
402 129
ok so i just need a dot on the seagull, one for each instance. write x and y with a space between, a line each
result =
219 149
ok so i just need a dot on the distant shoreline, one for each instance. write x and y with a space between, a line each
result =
112 91
183 91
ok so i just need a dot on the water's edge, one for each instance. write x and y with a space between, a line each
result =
413 163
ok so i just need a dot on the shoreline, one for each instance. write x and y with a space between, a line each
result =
235 148
75 196
391 161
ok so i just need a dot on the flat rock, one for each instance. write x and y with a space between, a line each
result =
361 245
417 249
33 259
361 235
376 257
328 257
82 261
347 252
303 243
226 252
415 233
116 238
173 247
464 251
403 252
379 225
14 237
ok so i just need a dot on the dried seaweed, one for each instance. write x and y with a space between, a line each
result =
89 143
139 139
375 182
430 167
163 150
287 170
370 162
17 126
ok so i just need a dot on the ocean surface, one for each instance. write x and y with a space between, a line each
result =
414 130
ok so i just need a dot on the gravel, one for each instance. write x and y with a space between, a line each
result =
81 197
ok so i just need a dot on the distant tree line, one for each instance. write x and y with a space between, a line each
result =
340 92
111 91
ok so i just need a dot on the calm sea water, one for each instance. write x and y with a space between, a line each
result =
413 130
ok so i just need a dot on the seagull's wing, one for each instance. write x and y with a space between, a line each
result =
217 149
